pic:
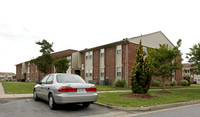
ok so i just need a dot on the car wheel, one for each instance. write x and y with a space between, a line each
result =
52 104
35 97
86 104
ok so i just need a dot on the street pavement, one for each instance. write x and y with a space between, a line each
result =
183 111
31 108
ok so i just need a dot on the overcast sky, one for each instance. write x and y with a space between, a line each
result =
80 24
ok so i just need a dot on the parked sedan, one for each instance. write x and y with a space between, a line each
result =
60 88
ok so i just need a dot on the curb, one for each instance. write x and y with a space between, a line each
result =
150 108
15 96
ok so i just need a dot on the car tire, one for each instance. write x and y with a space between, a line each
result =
86 104
35 97
52 104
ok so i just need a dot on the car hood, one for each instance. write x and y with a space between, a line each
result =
78 85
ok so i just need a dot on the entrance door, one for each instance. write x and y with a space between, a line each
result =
78 72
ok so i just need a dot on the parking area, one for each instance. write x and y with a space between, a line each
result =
30 108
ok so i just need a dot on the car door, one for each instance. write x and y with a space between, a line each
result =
40 90
47 87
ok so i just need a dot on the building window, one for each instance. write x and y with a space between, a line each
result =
119 71
102 72
91 73
119 49
69 58
86 73
86 55
90 56
102 52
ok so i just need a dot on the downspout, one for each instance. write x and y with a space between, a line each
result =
126 61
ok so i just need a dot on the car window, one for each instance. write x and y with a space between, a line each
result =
50 79
69 78
43 81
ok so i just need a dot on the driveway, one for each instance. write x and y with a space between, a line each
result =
30 108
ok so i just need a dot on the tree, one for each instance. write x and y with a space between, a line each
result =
44 62
194 56
163 61
61 65
141 72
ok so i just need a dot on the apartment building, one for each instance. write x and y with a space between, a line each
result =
114 60
189 72
7 75
28 70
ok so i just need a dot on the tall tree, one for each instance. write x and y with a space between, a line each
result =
194 56
61 65
163 61
141 72
44 61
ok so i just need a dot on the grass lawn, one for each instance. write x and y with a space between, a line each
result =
111 88
179 95
18 87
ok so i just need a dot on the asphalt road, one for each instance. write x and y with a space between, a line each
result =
30 108
184 111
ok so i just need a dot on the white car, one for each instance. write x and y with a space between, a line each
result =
60 88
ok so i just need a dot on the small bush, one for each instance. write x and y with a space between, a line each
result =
184 82
22 80
173 83
195 82
188 79
167 83
120 83
157 82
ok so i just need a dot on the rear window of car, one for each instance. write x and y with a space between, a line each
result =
68 78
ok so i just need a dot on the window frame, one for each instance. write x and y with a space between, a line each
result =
119 73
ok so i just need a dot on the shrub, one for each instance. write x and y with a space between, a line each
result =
167 83
184 82
120 83
195 82
157 82
188 79
173 83
22 80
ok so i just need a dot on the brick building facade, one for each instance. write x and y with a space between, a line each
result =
112 61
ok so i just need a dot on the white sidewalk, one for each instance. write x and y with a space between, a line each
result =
1 90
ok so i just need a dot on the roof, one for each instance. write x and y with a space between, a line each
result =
63 53
189 65
152 40
147 40
7 73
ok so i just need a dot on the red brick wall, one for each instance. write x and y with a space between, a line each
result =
178 73
131 58
96 65
110 58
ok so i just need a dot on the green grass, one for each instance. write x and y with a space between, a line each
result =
111 88
180 95
18 87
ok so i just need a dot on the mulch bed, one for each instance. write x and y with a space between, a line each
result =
131 95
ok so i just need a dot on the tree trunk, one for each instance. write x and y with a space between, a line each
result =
163 83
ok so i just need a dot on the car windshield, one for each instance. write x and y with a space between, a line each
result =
69 78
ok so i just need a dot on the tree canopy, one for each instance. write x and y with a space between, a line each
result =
61 65
44 61
194 56
141 72
164 61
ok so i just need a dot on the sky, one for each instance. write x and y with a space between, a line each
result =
80 24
